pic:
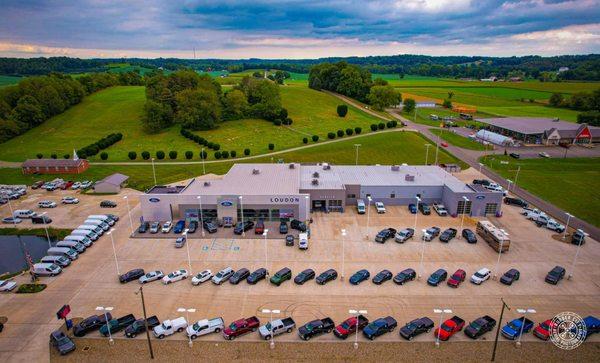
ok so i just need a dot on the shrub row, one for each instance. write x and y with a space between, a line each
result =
160 155
93 149
341 133
199 140
381 125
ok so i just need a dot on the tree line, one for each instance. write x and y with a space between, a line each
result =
588 102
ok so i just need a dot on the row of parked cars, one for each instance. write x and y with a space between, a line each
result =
11 192
62 184
405 234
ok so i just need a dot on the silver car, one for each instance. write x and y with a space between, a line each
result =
180 242
151 276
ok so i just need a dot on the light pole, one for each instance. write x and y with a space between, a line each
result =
569 215
356 146
129 212
427 146
499 254
480 165
46 229
437 147
517 175
106 309
357 313
187 248
422 254
112 241
368 213
265 232
242 209
203 160
509 183
141 292
498 325
201 217
271 312
462 220
524 312
187 318
441 312
343 252
576 255
153 171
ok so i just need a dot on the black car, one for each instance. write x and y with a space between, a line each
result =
416 327
192 227
256 276
424 208
382 277
385 234
132 275
243 227
515 155
114 217
515 201
405 276
448 235
437 277
326 276
304 276
92 323
481 182
480 326
210 226
510 276
379 327
283 228
296 224
315 328
359 276
139 326
555 275
107 204
289 240
143 228
239 275
578 237
61 342
469 235
43 219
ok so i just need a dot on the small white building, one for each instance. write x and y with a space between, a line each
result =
111 184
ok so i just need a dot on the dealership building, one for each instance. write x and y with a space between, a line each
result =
274 191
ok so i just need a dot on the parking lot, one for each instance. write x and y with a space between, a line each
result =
92 280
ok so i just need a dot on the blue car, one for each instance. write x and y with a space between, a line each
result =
592 324
380 327
412 208
513 329
359 276
179 226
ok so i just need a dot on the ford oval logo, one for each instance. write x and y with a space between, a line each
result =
154 200
227 203
480 197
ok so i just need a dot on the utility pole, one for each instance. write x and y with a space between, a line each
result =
498 328
146 323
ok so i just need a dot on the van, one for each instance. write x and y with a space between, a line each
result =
61 261
104 218
96 229
81 239
303 241
24 213
222 276
63 251
79 247
46 269
97 222
86 233
360 206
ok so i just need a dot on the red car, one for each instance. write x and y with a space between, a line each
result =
241 327
444 144
260 227
450 326
457 278
349 326
543 329
66 185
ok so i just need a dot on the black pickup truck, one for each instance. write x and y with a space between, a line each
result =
116 325
416 327
480 326
92 323
315 328
139 326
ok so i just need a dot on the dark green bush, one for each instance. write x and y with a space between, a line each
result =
331 135
172 154
349 132
217 155
160 155
104 155
340 133
189 154
132 155
305 140
246 152
145 155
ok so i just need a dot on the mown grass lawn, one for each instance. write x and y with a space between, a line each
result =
9 80
571 183
457 140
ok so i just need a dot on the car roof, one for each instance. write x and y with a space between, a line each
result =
483 270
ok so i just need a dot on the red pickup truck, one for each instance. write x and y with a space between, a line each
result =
241 327
449 327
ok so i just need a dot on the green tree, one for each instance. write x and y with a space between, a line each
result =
342 110
156 116
160 155
189 154
28 111
145 155
103 155
315 138
246 152
198 109
447 104
381 97
556 99
172 154
132 155
235 105
380 82
409 105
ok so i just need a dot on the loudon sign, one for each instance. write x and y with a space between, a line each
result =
285 200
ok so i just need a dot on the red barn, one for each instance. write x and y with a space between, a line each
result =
55 166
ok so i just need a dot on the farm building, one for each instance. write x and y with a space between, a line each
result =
494 138
547 131
54 166
111 184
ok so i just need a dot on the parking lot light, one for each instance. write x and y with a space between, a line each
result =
427 146
462 220
201 217
569 215
368 213
203 160
422 254
441 312
46 229
356 146
495 276
343 252
242 209
153 171
570 276
187 247
509 183
356 312
271 312
129 212
187 318
480 165
106 310
112 241
265 232
524 312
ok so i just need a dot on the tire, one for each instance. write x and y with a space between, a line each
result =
307 338
217 330
329 331
161 336
428 330
133 335
289 330
194 337
268 337
410 337
179 330
253 330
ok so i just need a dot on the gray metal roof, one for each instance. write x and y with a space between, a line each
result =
114 179
531 125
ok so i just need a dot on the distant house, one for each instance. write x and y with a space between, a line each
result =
563 69
55 166
515 79
490 79
111 184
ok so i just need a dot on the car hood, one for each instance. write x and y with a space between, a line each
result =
341 330
263 330
406 331
509 331
302 330
506 279
469 330
433 280
452 281
228 331
369 330
355 279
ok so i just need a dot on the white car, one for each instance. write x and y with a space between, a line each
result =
380 207
76 185
222 276
69 200
151 276
555 226
166 227
86 184
544 154
480 276
205 326
11 220
201 277
169 327
6 285
440 209
175 276
496 188
47 204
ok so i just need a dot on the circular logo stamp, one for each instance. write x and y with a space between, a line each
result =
567 330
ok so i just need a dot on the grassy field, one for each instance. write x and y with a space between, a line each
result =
457 140
377 148
571 183
9 80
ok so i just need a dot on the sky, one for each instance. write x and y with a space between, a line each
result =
296 28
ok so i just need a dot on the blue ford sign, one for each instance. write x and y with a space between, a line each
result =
480 197
154 200
226 203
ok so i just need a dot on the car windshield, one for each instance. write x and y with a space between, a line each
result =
196 326
411 326
346 325
172 274
545 326
268 326
220 274
475 325
480 274
232 326
513 326
446 328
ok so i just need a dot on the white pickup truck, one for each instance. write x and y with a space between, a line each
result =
555 226
205 326
276 327
169 327
440 209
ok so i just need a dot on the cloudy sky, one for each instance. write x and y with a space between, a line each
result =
297 28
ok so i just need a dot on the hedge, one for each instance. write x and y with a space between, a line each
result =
315 138
233 153
103 155
331 135
66 156
217 155
373 127
340 133
305 140
349 132
357 130
160 155
381 126
103 143
53 156
225 154
132 155
39 156
271 146
172 154
145 155
189 154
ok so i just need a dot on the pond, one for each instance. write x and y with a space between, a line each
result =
12 251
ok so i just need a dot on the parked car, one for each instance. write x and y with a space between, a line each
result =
289 240
481 182
543 329
180 242
385 234
431 233
259 228
578 237
359 276
304 276
143 228
449 328
350 326
166 227
405 276
276 327
515 201
510 276
243 227
296 224
281 276
175 276
544 154
256 276
46 204
89 324
380 207
201 277
76 185
437 277
315 328
456 278
592 325
513 328
404 235
481 276
553 225
555 275
37 184
424 208
326 276
379 327
303 241
448 235
382 277
210 226
283 227
192 227
222 276
239 275
179 227
241 327
139 326
116 325
108 204
169 327
151 276
66 185
7 285
480 326
11 220
515 155
469 235
154 227
416 327
412 208
63 344
440 209
131 275
205 326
